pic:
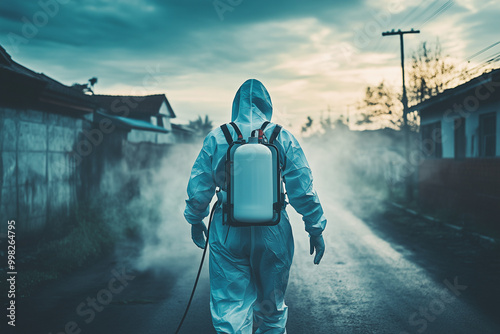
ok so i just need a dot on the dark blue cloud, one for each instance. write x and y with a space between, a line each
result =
157 25
117 40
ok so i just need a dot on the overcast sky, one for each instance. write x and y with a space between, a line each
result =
309 54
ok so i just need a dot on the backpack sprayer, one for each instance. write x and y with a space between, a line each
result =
252 194
253 191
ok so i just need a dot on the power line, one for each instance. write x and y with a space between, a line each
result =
413 12
483 50
478 68
441 10
493 59
444 7
488 59
406 20
424 13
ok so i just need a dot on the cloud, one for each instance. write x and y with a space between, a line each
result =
309 54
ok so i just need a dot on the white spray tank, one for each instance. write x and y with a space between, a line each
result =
252 191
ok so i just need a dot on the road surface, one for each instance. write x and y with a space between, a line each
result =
364 284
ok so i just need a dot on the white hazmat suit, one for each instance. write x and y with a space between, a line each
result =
249 270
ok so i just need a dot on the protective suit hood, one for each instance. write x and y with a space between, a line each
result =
252 103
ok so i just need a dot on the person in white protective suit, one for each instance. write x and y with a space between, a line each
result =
249 266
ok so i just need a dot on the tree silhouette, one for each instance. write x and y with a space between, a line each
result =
429 74
381 103
201 126
308 125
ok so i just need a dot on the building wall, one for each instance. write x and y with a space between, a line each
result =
139 136
446 131
465 186
447 135
38 179
498 129
471 135
165 138
50 162
471 129
183 137
166 120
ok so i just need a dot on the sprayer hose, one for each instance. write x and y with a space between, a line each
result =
199 269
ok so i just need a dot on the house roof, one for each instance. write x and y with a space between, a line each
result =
461 92
26 87
182 128
131 123
139 105
23 85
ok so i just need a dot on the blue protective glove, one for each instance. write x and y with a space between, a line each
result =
319 244
197 231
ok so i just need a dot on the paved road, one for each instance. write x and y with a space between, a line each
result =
363 285
366 285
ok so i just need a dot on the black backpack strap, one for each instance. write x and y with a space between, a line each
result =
264 125
275 133
238 132
228 136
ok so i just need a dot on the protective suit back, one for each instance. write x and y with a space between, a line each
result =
249 266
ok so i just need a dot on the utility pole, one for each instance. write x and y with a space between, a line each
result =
404 100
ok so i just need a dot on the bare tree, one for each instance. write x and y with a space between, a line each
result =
382 104
429 74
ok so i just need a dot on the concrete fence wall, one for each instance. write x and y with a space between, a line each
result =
38 183
48 163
